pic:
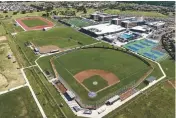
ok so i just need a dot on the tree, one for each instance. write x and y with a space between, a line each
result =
84 10
47 14
49 9
5 11
54 12
23 12
31 11
44 15
15 12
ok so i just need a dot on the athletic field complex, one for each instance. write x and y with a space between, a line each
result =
62 60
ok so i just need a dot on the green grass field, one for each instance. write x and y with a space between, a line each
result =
136 13
10 27
18 104
63 37
119 63
78 22
90 83
157 102
47 95
33 22
2 31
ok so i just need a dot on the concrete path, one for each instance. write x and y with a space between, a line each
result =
33 94
12 89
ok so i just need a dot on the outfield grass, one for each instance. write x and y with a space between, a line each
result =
18 104
157 102
119 63
89 83
33 22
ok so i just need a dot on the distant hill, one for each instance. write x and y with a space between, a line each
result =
157 3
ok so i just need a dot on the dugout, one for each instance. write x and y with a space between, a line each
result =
70 95
150 80
112 100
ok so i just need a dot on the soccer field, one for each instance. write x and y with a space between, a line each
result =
59 36
122 65
33 22
78 22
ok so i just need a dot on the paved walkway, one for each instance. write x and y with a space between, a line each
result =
12 89
33 94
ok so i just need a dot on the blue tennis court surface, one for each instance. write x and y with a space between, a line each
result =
140 46
126 36
146 47
133 48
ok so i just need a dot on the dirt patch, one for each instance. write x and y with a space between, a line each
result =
3 81
3 38
170 83
48 48
127 94
10 74
108 76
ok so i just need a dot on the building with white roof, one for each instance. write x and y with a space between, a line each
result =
141 29
156 24
102 29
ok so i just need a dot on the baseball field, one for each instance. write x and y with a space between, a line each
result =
103 71
60 37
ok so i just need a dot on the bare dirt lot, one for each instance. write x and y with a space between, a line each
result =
48 48
108 76
10 74
3 38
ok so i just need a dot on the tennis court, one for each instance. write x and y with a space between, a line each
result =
147 48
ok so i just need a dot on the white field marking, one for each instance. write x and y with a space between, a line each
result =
12 89
29 66
33 95
45 85
20 25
